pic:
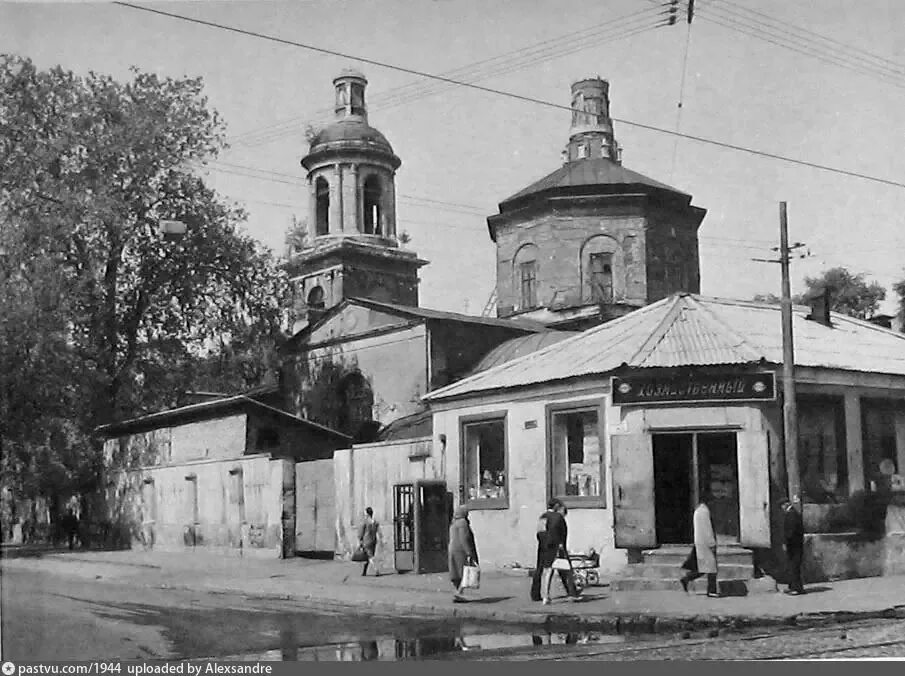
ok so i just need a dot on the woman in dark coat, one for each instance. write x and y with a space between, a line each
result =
554 544
461 549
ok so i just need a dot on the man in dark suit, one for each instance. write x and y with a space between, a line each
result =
793 538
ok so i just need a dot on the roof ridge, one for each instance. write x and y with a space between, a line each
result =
720 324
659 332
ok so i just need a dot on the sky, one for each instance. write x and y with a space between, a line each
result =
819 82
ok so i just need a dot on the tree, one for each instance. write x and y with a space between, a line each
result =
121 316
849 293
899 289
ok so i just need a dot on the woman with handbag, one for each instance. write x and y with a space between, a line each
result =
462 551
368 535
554 547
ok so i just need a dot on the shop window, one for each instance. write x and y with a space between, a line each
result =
322 198
878 429
576 456
484 462
822 458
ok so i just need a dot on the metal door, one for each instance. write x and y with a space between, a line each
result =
404 527
431 527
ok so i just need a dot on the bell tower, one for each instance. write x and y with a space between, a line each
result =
353 249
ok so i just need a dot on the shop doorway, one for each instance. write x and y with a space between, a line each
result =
686 465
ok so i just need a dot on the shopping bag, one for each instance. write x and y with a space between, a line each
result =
359 555
561 563
691 561
471 576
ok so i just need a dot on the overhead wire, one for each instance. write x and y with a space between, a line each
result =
734 20
518 97
524 57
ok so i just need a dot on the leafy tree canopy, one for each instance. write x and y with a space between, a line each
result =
849 293
100 317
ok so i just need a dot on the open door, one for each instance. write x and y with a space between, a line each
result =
754 489
633 490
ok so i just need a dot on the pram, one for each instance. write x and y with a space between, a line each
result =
584 569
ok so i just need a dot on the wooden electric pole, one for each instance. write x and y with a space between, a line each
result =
789 405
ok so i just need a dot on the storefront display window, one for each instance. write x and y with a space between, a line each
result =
484 448
878 427
577 456
823 463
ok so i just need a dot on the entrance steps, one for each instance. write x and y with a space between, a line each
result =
660 569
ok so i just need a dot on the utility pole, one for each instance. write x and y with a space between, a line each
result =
789 406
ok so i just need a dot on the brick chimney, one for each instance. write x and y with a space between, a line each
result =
820 308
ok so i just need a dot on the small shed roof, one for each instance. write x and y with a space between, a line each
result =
206 411
691 330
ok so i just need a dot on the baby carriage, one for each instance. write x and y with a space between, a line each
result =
584 569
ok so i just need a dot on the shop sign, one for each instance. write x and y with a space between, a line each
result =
694 387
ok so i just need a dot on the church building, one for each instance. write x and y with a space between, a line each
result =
593 240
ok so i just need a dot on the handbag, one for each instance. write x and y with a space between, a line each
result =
562 560
691 561
471 576
360 555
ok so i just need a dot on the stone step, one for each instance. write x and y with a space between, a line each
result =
678 556
726 586
658 569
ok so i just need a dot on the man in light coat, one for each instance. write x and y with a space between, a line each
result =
704 561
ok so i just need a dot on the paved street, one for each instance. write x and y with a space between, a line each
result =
872 638
47 617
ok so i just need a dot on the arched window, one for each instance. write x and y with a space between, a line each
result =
372 193
356 403
315 303
316 298
600 262
525 270
322 196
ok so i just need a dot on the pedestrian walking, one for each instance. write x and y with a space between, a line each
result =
564 575
70 523
793 538
702 560
368 537
462 550
555 538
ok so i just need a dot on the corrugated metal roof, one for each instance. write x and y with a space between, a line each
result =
594 171
519 347
688 330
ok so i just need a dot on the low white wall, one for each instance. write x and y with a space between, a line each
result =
365 476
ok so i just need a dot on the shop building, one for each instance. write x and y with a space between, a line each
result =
629 422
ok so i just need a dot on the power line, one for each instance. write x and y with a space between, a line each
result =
518 97
503 63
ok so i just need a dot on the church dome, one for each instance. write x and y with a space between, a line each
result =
349 133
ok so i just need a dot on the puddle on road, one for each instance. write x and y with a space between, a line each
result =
394 649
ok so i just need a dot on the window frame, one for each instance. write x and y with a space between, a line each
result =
552 410
477 419
607 259
530 302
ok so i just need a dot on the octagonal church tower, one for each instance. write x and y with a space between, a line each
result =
593 240
352 247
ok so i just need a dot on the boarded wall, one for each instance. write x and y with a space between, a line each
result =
315 491
237 504
365 476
